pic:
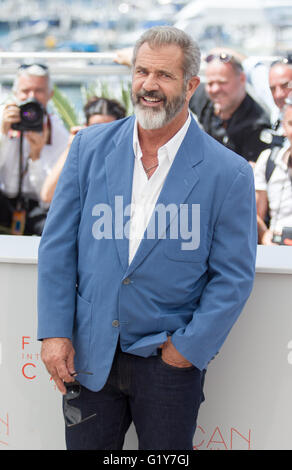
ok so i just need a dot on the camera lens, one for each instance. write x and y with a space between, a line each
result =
30 114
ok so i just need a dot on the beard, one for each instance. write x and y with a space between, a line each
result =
155 118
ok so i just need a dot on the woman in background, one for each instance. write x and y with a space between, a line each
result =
97 111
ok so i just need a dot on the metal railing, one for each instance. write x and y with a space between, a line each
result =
71 66
74 66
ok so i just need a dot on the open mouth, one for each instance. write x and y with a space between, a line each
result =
151 101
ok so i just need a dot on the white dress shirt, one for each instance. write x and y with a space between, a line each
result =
145 192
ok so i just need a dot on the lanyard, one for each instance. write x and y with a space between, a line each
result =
21 173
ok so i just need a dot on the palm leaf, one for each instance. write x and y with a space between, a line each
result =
126 97
64 108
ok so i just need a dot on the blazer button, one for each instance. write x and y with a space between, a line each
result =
116 323
127 281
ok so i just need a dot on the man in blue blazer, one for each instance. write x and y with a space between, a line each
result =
146 260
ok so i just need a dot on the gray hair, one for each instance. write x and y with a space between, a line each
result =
33 70
169 35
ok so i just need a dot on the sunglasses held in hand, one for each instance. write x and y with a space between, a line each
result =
73 414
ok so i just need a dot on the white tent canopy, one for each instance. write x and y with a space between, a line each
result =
229 11
213 12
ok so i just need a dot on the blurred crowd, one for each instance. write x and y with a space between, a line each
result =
244 103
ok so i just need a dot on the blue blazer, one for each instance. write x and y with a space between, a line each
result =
87 291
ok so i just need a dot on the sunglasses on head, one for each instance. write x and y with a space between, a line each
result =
283 60
27 66
224 58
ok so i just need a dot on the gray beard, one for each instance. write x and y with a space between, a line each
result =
155 119
150 119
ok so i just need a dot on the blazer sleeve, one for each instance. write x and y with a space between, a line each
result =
230 275
57 256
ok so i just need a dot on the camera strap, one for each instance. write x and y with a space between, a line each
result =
20 172
271 165
19 215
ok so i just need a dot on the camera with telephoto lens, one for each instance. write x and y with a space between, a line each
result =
31 116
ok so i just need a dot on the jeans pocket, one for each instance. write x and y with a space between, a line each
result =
174 368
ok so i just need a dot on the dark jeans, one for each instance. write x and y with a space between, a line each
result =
162 401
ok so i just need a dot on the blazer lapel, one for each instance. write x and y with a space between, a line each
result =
119 174
180 181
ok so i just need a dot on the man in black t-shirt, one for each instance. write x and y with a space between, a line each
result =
226 111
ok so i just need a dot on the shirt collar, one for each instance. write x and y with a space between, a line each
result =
170 148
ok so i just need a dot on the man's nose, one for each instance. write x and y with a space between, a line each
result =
279 92
212 88
150 83
215 88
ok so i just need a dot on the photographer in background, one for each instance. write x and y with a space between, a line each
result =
31 140
280 85
273 184
280 81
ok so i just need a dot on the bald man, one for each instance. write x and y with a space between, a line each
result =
226 111
280 81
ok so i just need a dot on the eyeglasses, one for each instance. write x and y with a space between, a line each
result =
72 414
27 66
225 58
283 60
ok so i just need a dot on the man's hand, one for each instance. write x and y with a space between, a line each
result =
58 357
11 115
267 238
73 132
37 140
124 56
171 356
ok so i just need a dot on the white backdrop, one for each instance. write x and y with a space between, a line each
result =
248 385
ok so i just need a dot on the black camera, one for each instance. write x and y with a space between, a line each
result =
31 116
285 238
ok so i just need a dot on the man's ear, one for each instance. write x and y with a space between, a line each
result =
192 85
243 78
